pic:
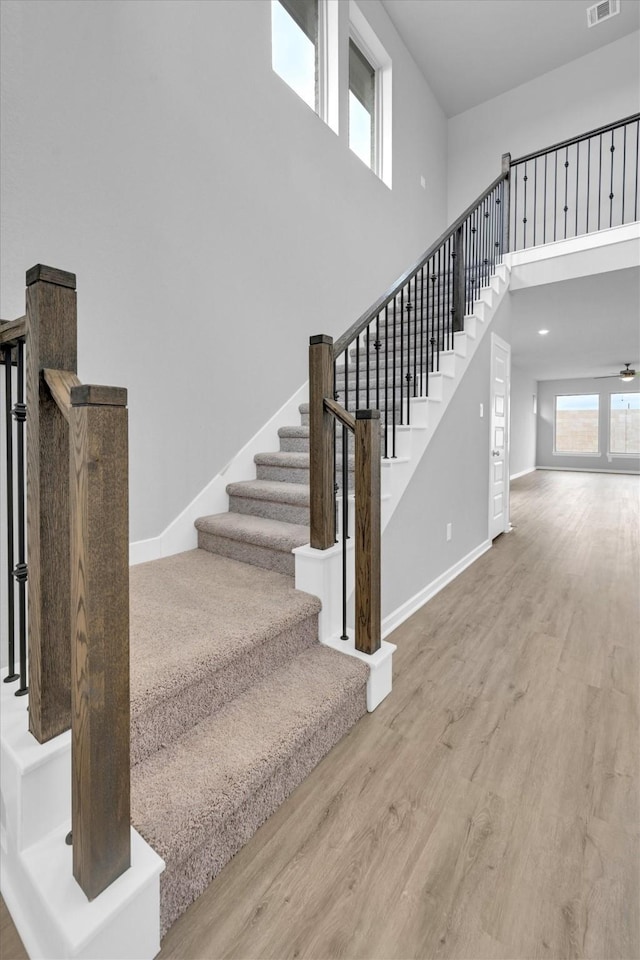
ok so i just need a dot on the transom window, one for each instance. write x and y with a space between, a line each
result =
362 106
576 428
294 46
624 423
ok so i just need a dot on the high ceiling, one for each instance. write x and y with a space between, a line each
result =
472 50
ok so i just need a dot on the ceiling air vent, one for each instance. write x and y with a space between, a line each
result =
602 11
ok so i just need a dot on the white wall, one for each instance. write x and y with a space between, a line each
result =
213 220
524 391
593 90
450 485
547 392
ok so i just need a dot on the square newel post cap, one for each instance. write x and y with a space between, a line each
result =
61 278
506 162
367 414
320 338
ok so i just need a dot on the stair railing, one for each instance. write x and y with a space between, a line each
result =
383 362
581 185
78 568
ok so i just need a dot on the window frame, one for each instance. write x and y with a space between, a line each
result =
326 60
576 453
364 38
612 453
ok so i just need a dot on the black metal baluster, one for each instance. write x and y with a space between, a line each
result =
577 183
588 180
566 190
600 182
345 528
515 205
544 215
377 346
336 397
20 571
415 334
386 381
611 149
485 233
407 376
12 675
401 354
635 204
440 309
450 274
624 168
393 382
357 406
555 194
432 338
368 365
422 381
535 197
525 180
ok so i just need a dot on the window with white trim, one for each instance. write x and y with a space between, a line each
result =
576 424
624 424
362 106
295 47
370 96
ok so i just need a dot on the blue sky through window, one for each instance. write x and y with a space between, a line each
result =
293 55
625 401
582 402
359 129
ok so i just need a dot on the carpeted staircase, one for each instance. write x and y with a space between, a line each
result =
233 699
233 703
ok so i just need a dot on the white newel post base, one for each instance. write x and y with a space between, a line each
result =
53 916
319 572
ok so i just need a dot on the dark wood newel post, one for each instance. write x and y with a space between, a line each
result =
321 443
97 463
51 340
367 531
459 292
506 209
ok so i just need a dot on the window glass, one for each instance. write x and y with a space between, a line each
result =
294 46
576 424
624 423
362 96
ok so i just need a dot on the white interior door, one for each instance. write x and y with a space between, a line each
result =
499 440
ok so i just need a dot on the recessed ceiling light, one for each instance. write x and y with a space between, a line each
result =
542 332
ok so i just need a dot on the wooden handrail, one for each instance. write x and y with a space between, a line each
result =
607 128
340 414
356 328
60 383
11 330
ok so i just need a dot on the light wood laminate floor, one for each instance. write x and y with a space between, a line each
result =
490 807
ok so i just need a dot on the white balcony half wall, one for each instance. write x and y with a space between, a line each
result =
617 248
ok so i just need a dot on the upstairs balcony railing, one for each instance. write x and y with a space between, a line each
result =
389 358
578 186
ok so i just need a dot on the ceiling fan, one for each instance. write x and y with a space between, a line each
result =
627 374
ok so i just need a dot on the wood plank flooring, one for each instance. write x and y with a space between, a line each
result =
490 807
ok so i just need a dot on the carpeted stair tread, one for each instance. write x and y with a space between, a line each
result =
201 623
294 432
198 800
261 531
276 490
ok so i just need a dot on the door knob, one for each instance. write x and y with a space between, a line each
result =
495 453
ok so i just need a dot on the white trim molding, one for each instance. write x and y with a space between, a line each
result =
523 473
393 620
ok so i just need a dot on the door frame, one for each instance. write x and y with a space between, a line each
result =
497 341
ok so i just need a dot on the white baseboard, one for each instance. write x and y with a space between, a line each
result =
404 611
181 534
523 473
633 473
